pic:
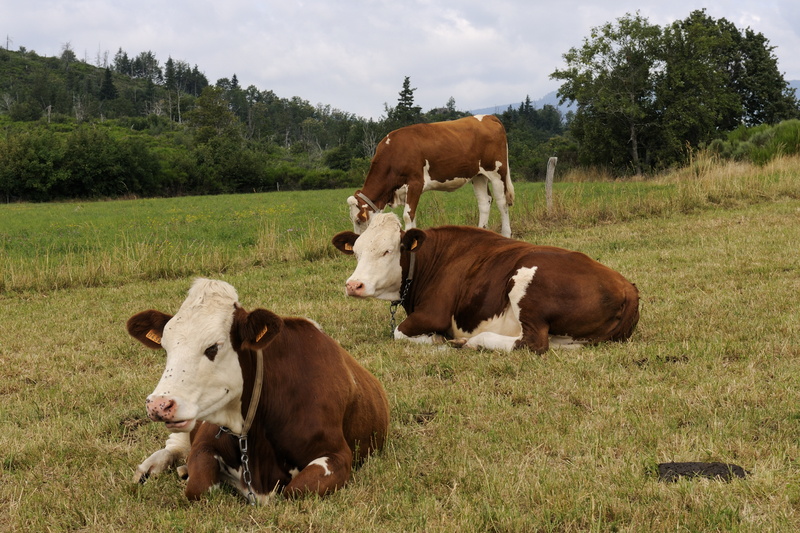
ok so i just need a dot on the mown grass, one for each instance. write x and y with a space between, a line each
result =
480 441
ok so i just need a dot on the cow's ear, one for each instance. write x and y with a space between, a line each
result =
344 241
257 328
148 327
412 239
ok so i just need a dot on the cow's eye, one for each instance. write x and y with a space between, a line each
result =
387 252
211 351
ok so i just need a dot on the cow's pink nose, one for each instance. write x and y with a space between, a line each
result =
161 408
354 288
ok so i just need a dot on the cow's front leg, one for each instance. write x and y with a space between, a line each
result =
322 475
175 449
419 328
425 338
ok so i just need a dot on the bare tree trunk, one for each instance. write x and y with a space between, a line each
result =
637 166
548 182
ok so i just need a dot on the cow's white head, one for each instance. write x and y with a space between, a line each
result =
378 273
203 378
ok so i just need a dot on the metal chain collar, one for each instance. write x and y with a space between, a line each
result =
247 476
403 293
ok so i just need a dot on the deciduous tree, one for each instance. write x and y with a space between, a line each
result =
611 78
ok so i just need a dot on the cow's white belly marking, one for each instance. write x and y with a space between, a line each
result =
503 331
448 186
506 324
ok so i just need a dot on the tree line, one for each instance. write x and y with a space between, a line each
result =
644 98
647 96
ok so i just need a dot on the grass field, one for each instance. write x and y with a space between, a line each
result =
480 441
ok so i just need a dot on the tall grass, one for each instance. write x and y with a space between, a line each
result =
54 246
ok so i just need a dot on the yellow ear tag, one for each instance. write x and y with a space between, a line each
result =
414 244
348 247
261 335
153 336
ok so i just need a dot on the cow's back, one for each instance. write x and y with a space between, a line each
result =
452 149
312 359
471 273
579 297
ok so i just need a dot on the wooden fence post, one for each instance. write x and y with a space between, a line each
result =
548 182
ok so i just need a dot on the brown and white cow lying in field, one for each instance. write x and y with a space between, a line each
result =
318 410
441 156
484 290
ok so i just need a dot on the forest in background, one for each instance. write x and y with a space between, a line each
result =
646 99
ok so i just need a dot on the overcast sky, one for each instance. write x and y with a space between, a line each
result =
354 54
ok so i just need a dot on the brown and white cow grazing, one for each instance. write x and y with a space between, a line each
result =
484 290
441 156
314 412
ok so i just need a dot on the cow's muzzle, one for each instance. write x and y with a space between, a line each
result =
354 288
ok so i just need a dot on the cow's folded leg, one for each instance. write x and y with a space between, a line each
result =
535 337
204 474
175 449
321 476
418 327
457 343
492 341
425 338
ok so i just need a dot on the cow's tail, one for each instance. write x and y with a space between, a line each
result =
509 187
628 315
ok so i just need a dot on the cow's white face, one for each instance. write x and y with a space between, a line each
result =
202 379
360 221
378 273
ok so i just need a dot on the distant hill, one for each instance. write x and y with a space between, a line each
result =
551 98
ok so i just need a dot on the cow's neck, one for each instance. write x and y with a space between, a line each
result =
379 195
433 266
372 205
252 388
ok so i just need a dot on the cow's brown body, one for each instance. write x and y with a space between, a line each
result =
437 156
319 411
485 290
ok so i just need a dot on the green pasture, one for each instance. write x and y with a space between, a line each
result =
479 441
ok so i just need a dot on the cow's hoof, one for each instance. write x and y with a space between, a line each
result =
457 343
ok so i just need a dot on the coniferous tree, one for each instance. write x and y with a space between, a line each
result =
107 89
405 113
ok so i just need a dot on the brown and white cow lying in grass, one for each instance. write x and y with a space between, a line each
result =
441 156
318 411
480 289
